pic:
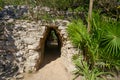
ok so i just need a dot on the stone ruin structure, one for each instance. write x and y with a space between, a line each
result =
22 45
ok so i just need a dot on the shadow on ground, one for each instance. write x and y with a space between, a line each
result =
51 53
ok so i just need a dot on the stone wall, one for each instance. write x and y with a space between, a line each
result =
25 38
8 65
22 41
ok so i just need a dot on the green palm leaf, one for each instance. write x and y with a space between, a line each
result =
110 41
77 32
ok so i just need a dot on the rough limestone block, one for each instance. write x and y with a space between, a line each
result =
29 40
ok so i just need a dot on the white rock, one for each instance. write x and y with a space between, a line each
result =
10 21
6 7
29 40
19 53
61 28
20 76
24 26
33 46
46 9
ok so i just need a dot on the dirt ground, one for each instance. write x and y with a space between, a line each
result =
55 70
52 68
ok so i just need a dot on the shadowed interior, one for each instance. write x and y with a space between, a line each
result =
50 46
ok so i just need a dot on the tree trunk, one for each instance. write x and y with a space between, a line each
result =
90 15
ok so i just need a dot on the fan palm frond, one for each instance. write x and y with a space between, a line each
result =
110 41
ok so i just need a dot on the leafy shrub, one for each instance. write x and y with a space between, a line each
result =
76 31
100 47
81 38
84 69
12 2
106 30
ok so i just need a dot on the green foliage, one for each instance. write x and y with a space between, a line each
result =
57 4
110 41
82 39
12 2
76 31
101 47
64 4
0 8
108 7
2 3
106 30
111 9
84 69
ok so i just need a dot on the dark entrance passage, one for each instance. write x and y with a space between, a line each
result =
52 47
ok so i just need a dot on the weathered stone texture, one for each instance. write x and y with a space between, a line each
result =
22 41
24 38
8 66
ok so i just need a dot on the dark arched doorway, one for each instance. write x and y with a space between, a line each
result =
50 46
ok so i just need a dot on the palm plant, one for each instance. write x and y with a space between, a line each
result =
110 40
77 31
100 47
83 40
110 44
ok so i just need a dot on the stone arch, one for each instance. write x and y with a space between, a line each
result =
41 48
